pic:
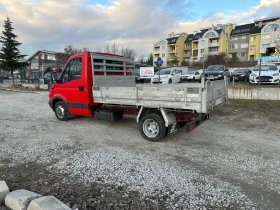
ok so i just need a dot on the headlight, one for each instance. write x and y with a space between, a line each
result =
242 75
219 75
276 74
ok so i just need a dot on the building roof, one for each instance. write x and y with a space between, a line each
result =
246 29
189 38
269 19
42 51
198 36
172 40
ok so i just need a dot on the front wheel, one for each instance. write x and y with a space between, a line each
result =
61 111
152 127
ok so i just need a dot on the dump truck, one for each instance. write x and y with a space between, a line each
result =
102 86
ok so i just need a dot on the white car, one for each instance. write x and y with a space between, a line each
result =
169 75
192 75
269 74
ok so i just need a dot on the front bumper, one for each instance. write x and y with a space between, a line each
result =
213 77
265 80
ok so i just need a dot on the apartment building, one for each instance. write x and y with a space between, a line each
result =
161 50
246 42
188 47
176 48
270 33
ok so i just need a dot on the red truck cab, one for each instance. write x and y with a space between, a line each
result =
72 92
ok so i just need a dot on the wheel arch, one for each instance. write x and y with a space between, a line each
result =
55 100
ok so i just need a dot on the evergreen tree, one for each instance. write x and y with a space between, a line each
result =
150 60
10 57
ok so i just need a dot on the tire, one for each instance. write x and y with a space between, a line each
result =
152 127
181 80
170 81
61 111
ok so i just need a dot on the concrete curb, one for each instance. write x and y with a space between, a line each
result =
27 200
22 91
4 191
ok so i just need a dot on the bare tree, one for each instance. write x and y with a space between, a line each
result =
276 41
141 59
128 53
71 50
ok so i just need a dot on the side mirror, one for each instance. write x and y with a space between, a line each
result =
226 69
249 72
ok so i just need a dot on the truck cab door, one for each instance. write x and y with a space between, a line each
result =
72 88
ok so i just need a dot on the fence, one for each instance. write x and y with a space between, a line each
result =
263 93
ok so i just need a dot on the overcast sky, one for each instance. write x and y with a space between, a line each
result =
136 24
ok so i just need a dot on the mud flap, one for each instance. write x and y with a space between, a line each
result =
172 128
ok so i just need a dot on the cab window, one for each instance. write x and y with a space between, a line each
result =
72 71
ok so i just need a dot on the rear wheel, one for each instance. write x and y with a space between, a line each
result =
61 111
152 127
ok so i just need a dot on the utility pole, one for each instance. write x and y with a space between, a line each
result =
159 62
260 71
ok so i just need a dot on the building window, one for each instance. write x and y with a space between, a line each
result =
252 57
243 54
253 38
202 42
272 27
202 51
264 46
162 42
233 46
163 55
252 47
234 38
214 50
243 37
210 34
266 36
163 47
244 45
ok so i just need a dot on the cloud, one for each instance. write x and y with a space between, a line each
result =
137 24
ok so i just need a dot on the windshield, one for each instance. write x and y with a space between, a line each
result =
215 68
240 70
266 68
164 72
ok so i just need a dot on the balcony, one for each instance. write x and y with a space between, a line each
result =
214 44
187 55
188 48
214 37
214 53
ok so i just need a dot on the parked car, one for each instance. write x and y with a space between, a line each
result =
240 75
138 79
216 72
15 77
192 75
269 74
168 75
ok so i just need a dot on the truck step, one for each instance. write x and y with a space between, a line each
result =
110 115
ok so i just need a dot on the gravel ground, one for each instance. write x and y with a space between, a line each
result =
229 162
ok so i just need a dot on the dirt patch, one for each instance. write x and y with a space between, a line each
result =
36 178
260 109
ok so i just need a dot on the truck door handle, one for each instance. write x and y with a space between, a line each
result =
81 88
